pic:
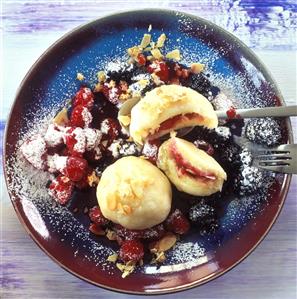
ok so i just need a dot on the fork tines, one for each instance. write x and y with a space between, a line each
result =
280 159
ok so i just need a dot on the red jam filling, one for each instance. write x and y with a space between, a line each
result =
185 168
173 121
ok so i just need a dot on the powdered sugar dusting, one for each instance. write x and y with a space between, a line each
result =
187 253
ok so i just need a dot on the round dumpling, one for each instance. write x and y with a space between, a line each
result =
190 169
134 193
167 108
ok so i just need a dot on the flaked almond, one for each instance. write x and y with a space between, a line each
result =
61 118
134 51
93 179
98 87
112 203
164 244
197 68
175 54
127 209
112 258
161 40
111 235
156 54
145 40
101 77
150 27
80 76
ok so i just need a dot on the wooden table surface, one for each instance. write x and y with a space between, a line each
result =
29 27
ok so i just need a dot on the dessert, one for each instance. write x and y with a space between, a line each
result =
190 169
134 193
168 108
151 191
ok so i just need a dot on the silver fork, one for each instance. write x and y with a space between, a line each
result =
282 158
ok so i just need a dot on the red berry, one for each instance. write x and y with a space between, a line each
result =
111 128
76 168
75 141
160 68
141 59
97 217
84 97
80 117
177 222
131 250
61 189
84 183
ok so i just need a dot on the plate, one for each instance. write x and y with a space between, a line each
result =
63 234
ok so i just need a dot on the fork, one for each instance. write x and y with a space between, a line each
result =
282 158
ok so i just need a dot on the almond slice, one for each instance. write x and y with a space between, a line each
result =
164 244
156 54
61 118
197 68
80 76
112 203
145 40
112 258
161 40
175 54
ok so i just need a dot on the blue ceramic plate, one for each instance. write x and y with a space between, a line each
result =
64 235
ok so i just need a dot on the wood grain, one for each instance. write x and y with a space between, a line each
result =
31 26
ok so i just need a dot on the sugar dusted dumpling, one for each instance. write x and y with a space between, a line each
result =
167 108
190 169
134 193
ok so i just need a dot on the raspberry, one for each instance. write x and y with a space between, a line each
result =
160 68
141 59
84 182
76 168
111 128
61 189
80 117
131 250
177 222
96 216
84 97
75 141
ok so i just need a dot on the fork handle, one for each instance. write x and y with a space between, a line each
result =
282 111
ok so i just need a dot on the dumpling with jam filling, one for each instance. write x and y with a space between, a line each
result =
190 169
168 108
